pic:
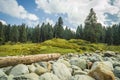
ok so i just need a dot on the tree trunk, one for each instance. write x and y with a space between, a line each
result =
14 60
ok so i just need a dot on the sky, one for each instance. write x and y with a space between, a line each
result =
73 12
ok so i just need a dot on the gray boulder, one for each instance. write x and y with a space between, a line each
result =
48 76
64 62
109 54
82 77
40 70
30 76
79 62
117 71
61 71
3 76
19 70
31 68
94 58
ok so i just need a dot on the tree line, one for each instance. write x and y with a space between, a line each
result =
92 31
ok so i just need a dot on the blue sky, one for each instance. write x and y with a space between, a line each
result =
73 12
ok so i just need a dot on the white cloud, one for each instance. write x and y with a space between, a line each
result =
12 8
77 10
3 22
47 20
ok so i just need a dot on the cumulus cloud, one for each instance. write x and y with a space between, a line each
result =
3 22
47 20
12 8
77 10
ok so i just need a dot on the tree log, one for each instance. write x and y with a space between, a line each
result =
14 60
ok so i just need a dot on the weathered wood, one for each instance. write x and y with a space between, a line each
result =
14 60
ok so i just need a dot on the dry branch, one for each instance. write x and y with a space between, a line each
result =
14 60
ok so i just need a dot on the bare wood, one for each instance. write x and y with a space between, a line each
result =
14 60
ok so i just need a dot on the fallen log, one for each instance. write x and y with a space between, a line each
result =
14 60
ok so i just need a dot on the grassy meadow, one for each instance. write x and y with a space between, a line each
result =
54 46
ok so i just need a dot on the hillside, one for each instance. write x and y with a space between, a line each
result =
54 46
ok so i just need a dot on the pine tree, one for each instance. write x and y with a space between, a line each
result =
109 36
79 32
2 36
58 28
14 34
91 30
23 34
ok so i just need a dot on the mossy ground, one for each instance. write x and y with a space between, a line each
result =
54 46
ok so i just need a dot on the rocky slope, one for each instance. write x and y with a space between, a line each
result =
87 66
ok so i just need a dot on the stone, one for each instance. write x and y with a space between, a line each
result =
107 64
79 72
10 77
43 64
94 58
7 69
109 54
19 70
3 76
79 62
64 62
48 76
75 67
31 68
116 63
101 71
117 71
40 70
61 71
30 76
82 77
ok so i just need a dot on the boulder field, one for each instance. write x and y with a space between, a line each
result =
87 66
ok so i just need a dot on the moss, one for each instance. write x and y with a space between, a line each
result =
54 46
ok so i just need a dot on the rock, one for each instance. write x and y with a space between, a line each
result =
31 68
3 76
89 65
109 54
61 71
10 77
82 77
48 76
40 70
30 76
79 62
19 70
108 65
117 71
75 67
94 58
101 71
79 72
43 64
116 63
64 62
6 70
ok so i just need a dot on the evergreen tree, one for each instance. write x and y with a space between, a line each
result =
109 36
14 34
50 31
36 34
2 36
91 30
23 34
58 28
7 32
79 32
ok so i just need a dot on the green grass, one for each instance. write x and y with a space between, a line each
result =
54 46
